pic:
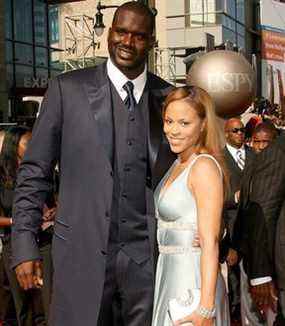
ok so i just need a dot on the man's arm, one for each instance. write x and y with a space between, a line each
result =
267 194
34 180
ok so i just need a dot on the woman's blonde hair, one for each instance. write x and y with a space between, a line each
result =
211 140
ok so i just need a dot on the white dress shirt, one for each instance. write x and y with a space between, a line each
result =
233 151
118 79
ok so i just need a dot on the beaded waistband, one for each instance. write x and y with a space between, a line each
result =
175 225
168 250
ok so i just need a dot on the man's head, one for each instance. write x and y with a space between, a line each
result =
262 136
235 132
131 37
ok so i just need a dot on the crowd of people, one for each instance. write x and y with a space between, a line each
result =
154 195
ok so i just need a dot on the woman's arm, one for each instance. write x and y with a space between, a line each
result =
5 221
205 181
206 184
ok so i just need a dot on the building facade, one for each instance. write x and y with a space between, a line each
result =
28 47
43 38
183 24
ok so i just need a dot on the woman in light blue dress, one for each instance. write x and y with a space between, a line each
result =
189 201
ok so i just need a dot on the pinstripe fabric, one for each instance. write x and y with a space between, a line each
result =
262 211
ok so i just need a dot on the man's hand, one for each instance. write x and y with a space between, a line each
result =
232 257
29 274
49 214
264 296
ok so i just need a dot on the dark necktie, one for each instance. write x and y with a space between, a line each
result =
130 100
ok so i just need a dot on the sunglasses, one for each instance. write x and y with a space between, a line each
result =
236 130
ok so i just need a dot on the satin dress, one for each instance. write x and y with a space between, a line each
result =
178 267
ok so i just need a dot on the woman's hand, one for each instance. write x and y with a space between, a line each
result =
196 320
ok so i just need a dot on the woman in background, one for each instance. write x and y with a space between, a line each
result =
28 304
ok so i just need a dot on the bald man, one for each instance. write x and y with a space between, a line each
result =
236 155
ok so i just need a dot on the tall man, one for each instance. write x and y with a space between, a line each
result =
236 156
104 127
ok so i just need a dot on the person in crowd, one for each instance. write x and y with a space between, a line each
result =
27 304
189 200
7 305
104 126
237 155
261 232
263 134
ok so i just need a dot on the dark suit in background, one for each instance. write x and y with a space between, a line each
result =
261 231
230 216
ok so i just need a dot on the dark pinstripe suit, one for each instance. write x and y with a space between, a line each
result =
261 232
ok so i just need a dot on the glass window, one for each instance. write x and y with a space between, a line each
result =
42 77
24 76
9 52
9 75
209 11
229 35
196 20
23 54
53 24
196 7
241 42
40 22
230 8
240 11
8 19
41 56
240 29
228 22
23 20
54 57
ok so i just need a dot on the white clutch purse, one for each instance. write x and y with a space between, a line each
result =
181 307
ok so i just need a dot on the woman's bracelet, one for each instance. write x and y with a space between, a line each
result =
206 313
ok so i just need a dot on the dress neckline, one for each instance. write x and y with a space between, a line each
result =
164 188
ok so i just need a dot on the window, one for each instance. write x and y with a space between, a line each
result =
23 20
24 75
8 19
53 24
41 57
23 54
240 11
9 52
40 22
230 8
229 35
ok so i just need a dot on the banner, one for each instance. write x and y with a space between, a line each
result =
272 27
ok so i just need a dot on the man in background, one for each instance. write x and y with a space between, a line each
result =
237 155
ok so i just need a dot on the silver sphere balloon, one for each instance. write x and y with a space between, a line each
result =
228 77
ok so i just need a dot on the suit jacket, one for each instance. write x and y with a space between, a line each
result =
235 180
75 128
261 233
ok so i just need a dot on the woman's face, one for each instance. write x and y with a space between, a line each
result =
182 126
23 144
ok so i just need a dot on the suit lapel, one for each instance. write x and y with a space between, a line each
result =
160 156
99 97
232 161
